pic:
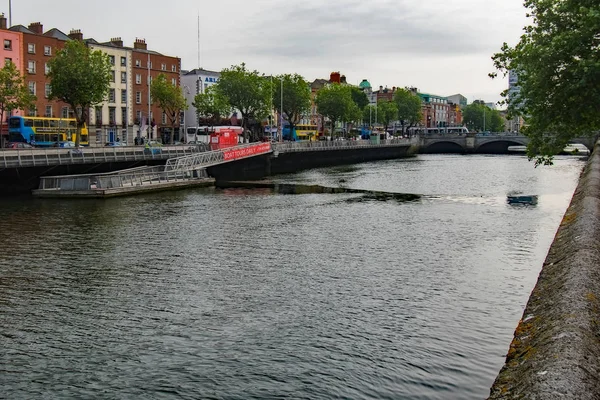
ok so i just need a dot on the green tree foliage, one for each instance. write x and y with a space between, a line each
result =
369 113
386 113
476 113
14 93
247 91
335 102
296 97
359 97
79 77
557 62
409 108
211 105
169 98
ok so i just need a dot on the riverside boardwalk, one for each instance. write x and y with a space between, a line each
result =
555 353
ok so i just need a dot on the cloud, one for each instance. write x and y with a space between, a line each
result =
347 29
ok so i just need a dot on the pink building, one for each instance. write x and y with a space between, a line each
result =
11 50
12 46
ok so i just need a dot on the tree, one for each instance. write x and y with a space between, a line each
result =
169 99
79 77
14 93
211 105
477 112
247 91
557 63
387 112
296 97
359 97
409 108
334 102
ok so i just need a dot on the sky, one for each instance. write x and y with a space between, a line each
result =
441 47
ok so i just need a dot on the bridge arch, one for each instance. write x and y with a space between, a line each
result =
443 147
496 146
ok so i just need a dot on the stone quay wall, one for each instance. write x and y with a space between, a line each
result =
555 352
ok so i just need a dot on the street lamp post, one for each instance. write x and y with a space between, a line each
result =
281 113
184 133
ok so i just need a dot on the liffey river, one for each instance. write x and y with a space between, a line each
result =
249 294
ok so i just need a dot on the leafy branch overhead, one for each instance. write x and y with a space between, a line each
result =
557 64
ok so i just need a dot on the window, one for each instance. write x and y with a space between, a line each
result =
138 97
32 112
123 96
31 48
124 116
138 78
138 116
123 61
111 95
31 67
98 115
112 115
149 64
149 80
31 87
48 112
123 77
111 59
174 81
112 75
64 112
47 90
7 44
47 50
164 118
7 60
174 68
138 63
46 68
163 67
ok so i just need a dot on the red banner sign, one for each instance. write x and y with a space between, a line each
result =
252 150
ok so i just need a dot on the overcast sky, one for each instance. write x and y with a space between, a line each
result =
439 46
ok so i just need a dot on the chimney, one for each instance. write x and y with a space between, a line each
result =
343 79
36 27
2 21
76 34
117 41
140 44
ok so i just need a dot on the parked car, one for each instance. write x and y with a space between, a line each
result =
66 144
19 145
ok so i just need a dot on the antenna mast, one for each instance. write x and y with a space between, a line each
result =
198 39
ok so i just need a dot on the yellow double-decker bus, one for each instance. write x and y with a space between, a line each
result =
45 132
306 132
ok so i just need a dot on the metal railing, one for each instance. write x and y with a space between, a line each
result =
339 145
10 158
133 177
206 159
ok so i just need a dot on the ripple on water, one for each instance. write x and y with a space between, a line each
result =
247 294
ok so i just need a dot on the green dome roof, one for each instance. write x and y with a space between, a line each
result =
364 84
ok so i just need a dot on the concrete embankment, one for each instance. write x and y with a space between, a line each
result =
555 352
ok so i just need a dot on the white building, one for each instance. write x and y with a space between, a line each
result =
194 82
114 118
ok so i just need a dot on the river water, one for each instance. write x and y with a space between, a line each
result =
240 294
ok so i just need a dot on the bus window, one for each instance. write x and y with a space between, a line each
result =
28 122
14 123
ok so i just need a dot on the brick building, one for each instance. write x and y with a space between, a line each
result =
146 66
37 49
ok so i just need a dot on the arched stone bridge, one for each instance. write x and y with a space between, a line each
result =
489 144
